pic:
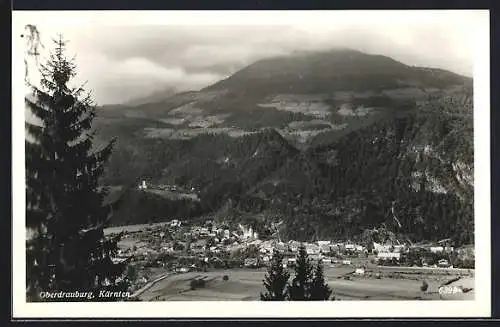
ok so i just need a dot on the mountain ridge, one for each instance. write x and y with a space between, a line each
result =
330 161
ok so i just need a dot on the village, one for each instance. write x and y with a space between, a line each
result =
178 246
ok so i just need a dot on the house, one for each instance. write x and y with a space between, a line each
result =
325 248
248 233
388 255
346 262
320 243
312 249
381 247
349 247
436 249
359 248
280 247
359 271
315 257
264 250
143 185
118 260
443 263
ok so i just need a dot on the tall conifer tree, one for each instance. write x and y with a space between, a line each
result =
300 288
320 291
276 280
67 249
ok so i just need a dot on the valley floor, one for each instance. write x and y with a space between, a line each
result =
246 285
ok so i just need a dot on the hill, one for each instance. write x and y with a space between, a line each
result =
301 95
329 143
334 70
156 96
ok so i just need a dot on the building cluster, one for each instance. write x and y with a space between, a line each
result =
182 246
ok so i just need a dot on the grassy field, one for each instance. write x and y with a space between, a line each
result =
246 285
132 228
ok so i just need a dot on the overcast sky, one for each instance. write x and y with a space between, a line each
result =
123 61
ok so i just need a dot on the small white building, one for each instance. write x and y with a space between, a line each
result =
359 271
143 185
312 249
436 249
381 247
349 247
443 263
325 248
388 255
359 248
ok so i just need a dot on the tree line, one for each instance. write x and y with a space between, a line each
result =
308 283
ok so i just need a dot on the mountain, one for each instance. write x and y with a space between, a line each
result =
327 143
420 165
335 70
156 96
301 95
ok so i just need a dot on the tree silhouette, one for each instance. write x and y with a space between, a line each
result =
320 291
276 280
68 250
300 288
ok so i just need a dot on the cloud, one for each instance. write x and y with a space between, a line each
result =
122 62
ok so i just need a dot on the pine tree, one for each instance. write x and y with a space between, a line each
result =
64 213
276 280
319 289
299 289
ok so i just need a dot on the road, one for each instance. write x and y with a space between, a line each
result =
149 285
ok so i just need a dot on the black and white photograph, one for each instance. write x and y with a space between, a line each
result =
253 158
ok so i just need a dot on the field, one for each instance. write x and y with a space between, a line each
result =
246 285
133 228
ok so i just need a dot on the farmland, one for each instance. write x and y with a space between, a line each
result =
392 283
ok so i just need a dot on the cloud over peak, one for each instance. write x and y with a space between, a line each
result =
122 62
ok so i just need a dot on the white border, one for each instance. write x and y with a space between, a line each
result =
480 307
